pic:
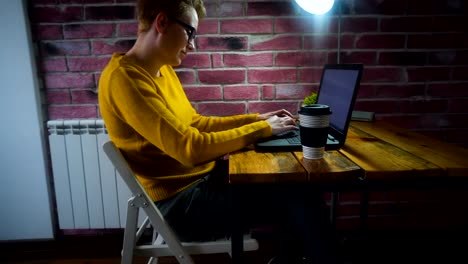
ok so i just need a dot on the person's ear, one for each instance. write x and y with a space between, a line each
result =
161 23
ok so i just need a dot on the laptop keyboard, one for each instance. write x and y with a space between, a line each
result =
294 140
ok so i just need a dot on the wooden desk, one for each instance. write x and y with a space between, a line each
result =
375 155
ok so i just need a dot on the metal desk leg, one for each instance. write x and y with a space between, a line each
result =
237 245
333 202
364 212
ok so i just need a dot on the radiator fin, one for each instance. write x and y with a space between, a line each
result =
88 191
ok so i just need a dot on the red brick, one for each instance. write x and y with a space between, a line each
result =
222 43
448 57
208 26
366 91
217 60
378 106
320 42
382 74
421 7
428 74
406 24
84 97
86 1
459 120
58 48
394 7
53 65
249 59
221 109
221 76
110 12
268 92
437 41
197 60
43 2
186 77
275 42
69 80
403 58
259 26
448 90
56 14
301 25
241 92
310 75
458 136
264 107
366 58
293 91
357 25
271 8
127 29
380 41
58 96
211 10
109 47
398 91
449 23
461 73
301 58
230 9
73 31
458 105
71 112
423 105
203 93
48 32
272 76
404 121
87 63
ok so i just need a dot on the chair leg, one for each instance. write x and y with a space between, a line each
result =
130 233
153 260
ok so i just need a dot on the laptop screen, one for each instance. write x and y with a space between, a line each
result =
337 89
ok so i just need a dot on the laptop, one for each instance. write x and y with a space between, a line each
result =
339 85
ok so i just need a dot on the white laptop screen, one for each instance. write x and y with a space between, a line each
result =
337 91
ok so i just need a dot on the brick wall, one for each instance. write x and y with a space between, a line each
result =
257 55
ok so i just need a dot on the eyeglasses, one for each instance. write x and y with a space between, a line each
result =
191 31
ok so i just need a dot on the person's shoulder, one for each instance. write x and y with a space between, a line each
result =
168 70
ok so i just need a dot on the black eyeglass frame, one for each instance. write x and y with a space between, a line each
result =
191 31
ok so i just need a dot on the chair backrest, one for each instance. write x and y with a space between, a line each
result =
144 201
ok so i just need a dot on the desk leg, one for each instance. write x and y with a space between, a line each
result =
237 243
333 202
364 212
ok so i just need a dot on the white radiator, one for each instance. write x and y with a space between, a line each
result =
88 191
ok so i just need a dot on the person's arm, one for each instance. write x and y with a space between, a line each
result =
213 124
146 112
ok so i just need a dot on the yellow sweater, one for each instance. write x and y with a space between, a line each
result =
166 142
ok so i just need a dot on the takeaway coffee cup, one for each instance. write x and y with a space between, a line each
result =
314 124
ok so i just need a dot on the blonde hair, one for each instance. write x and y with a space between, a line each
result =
149 9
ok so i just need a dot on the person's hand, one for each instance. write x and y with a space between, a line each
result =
281 124
279 113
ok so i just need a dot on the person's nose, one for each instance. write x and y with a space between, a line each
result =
191 45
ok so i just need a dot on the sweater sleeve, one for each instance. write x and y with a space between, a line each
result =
213 124
145 111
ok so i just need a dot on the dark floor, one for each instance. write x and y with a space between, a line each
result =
376 247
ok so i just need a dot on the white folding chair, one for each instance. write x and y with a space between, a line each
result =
165 242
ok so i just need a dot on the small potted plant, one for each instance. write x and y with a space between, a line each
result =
310 106
310 99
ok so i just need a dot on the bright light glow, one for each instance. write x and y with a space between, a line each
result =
317 7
